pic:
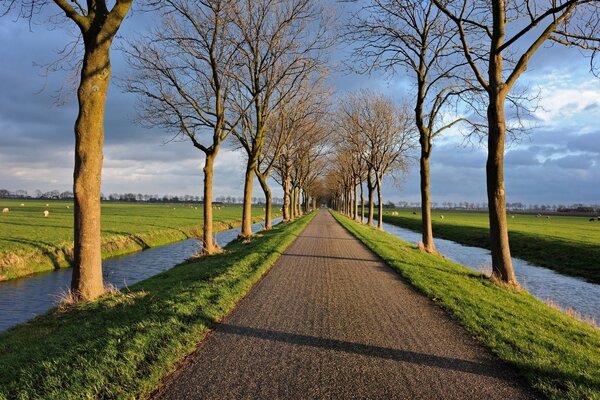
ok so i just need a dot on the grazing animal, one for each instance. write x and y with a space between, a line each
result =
22 204
5 210
47 205
218 208
46 213
591 219
441 217
414 213
512 216
68 207
547 217
598 218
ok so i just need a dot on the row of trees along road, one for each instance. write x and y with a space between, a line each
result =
210 71
475 51
252 71
374 139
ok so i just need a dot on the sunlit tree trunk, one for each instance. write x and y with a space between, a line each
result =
262 179
426 228
208 242
87 281
380 205
247 206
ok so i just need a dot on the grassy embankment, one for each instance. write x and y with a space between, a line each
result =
569 245
31 243
122 345
558 354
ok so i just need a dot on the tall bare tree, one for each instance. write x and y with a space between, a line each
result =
98 22
379 131
498 39
184 74
413 36
303 108
280 44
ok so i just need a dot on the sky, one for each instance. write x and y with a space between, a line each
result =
557 162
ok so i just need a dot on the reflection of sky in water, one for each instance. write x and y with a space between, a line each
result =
24 298
543 283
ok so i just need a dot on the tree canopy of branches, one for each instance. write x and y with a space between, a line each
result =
374 131
184 77
280 46
298 115
98 22
412 35
498 38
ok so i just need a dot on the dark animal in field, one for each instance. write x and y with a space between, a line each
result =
414 213
598 218
592 219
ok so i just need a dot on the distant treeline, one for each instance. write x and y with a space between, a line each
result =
130 197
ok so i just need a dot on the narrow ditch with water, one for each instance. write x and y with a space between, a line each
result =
23 298
565 291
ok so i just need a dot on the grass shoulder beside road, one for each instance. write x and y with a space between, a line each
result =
565 244
558 355
123 344
30 242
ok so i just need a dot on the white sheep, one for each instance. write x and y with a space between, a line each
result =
441 217
47 205
22 204
46 213
68 207
5 210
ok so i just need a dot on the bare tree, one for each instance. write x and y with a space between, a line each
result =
184 74
498 39
303 108
413 36
380 132
98 22
280 45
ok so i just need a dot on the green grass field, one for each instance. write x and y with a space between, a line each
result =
30 242
570 245
558 354
120 346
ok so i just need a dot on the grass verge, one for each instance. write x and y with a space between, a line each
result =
122 345
559 355
566 255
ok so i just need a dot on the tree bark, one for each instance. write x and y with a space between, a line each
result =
370 188
497 91
86 283
362 204
247 206
262 179
380 205
501 261
286 195
208 243
426 228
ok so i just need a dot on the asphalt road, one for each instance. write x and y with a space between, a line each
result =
332 321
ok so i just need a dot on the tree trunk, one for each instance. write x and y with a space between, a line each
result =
380 205
362 204
292 202
426 229
314 202
262 179
371 196
247 206
208 243
86 283
501 261
286 195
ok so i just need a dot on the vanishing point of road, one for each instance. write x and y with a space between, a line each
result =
332 321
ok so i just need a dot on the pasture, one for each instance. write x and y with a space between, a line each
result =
30 242
566 244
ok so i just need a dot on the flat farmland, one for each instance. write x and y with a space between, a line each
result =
567 244
30 242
